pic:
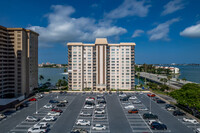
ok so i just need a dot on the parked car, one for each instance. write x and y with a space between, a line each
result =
88 107
64 101
57 110
122 95
193 121
100 106
33 99
178 113
149 116
99 111
143 109
85 114
54 113
2 116
151 95
155 98
136 102
43 125
90 98
82 122
53 101
37 130
129 107
133 111
169 105
102 102
126 103
151 121
132 98
99 127
124 99
32 119
89 103
79 130
110 92
48 106
171 108
61 105
158 126
197 130
99 117
49 118
160 101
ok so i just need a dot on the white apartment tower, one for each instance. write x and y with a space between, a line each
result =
101 66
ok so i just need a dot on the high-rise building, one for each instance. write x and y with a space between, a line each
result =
18 62
101 66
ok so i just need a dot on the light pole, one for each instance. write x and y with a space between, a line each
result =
36 104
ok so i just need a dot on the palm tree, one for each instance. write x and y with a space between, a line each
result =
138 74
41 77
64 78
65 70
49 80
169 77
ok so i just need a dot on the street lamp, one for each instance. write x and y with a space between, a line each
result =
150 103
36 105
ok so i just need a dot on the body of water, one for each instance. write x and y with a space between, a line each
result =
54 74
191 73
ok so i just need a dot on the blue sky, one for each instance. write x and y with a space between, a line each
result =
165 31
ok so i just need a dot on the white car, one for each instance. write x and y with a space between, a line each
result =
136 102
151 121
99 111
53 113
85 114
143 109
2 116
132 98
129 107
82 122
42 125
48 106
88 107
197 130
36 129
122 95
64 101
49 118
32 119
126 104
100 106
190 120
99 127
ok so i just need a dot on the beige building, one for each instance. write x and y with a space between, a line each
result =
18 62
101 66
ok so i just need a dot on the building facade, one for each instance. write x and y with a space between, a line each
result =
101 66
18 62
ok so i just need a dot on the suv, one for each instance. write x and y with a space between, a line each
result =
158 126
149 116
79 130
178 113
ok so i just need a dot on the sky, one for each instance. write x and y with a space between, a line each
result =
165 31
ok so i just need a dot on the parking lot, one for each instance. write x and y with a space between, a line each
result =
117 119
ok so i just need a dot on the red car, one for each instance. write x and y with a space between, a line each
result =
91 98
133 111
151 95
57 110
33 99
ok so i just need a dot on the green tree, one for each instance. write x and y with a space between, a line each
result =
49 80
65 70
138 74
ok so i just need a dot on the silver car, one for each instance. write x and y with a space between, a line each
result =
32 119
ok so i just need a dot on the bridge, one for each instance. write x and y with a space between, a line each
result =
173 83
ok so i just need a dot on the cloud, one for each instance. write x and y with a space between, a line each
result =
63 28
172 7
192 31
130 8
161 31
137 33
